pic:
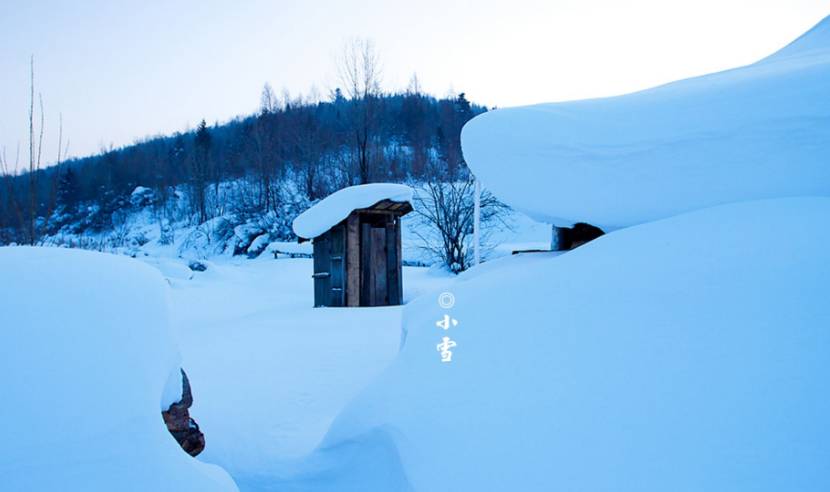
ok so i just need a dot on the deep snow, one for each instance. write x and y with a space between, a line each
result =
85 352
687 353
269 372
654 358
760 131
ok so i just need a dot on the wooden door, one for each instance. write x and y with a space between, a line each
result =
322 270
329 251
374 288
337 266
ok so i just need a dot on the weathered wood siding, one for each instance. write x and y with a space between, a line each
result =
391 253
337 265
329 261
321 274
378 293
358 262
353 260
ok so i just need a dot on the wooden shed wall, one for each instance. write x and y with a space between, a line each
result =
358 262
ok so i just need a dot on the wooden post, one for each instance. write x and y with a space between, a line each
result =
399 265
365 279
322 270
353 260
392 272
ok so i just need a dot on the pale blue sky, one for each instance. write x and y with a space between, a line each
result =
120 71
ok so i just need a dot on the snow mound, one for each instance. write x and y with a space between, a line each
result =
85 355
337 206
647 360
756 132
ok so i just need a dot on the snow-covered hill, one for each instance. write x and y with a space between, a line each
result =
643 361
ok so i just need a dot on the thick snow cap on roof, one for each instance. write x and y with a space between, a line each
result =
755 132
337 206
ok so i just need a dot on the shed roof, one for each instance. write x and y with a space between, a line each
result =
329 211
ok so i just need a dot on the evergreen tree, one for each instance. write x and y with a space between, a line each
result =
201 169
68 189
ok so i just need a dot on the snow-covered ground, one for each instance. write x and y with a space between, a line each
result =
687 350
86 350
269 372
650 359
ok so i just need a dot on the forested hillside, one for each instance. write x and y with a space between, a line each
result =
264 167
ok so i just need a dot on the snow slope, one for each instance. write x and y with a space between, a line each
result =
651 359
269 372
760 131
85 352
337 206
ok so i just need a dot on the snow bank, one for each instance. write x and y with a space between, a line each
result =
337 206
85 352
650 359
761 131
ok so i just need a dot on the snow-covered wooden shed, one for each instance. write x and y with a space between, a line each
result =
356 234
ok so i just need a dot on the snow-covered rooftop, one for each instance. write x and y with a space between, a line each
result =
754 132
337 206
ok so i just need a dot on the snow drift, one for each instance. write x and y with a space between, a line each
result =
761 131
85 355
646 360
337 206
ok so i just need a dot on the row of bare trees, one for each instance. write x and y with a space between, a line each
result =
24 198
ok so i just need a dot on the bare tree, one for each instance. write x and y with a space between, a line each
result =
268 102
414 86
35 153
26 208
63 150
359 71
52 202
445 208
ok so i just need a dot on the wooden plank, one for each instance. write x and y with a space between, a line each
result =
391 264
316 271
352 271
379 295
337 265
322 285
399 257
365 284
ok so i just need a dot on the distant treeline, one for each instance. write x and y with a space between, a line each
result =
313 147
